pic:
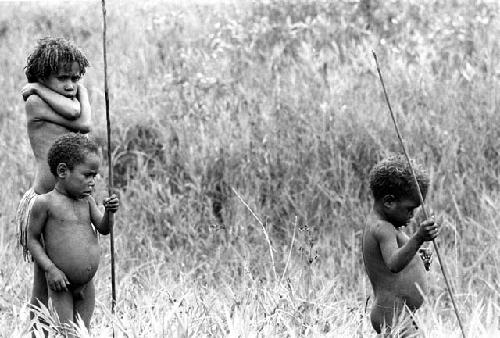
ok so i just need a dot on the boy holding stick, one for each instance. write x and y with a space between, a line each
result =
395 271
61 235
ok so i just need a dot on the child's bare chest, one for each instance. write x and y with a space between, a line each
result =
69 225
70 211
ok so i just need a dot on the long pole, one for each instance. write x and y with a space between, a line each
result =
110 165
419 195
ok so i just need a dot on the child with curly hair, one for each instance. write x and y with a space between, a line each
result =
56 103
396 273
61 235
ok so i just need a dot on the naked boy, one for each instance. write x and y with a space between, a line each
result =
390 256
69 252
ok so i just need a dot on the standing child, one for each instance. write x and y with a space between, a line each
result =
395 271
61 238
56 103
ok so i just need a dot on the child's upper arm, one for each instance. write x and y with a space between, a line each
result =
95 213
38 216
38 109
386 237
66 107
35 106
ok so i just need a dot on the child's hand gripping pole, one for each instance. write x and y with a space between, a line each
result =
419 193
428 230
111 203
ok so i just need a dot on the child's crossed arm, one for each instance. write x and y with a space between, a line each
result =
42 103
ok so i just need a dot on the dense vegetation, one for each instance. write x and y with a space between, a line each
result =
280 103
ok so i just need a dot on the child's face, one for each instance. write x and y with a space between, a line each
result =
399 212
79 181
65 81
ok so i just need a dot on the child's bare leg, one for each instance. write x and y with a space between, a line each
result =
39 291
84 306
62 301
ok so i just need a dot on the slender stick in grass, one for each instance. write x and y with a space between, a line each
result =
263 229
448 286
290 251
110 165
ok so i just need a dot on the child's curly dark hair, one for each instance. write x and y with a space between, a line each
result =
393 176
71 149
49 55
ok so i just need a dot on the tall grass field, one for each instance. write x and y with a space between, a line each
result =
242 136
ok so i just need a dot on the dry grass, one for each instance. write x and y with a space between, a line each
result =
281 102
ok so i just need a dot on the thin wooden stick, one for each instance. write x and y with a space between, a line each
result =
448 286
110 165
290 251
263 229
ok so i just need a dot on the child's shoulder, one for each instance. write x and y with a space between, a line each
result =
45 198
34 100
34 103
42 202
381 228
373 222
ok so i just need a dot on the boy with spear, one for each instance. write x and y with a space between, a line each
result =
395 271
390 256
63 227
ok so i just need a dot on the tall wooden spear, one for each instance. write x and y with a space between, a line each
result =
400 138
110 165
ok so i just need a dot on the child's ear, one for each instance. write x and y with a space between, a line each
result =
62 170
389 200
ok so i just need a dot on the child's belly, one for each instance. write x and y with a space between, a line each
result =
409 285
74 249
413 284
